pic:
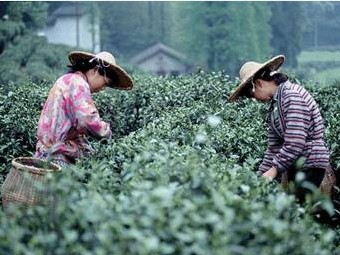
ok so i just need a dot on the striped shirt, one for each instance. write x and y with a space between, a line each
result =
295 128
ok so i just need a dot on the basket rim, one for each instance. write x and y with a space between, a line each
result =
22 167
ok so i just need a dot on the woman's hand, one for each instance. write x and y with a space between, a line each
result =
271 173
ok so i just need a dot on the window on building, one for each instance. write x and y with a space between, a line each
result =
161 73
174 73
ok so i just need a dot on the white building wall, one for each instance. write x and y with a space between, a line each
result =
64 31
97 38
86 40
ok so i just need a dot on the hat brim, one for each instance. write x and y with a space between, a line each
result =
273 65
123 81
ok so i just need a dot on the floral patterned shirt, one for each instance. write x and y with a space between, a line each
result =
69 114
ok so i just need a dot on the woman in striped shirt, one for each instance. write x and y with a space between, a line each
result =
295 136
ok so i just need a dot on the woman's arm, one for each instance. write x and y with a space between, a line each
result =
86 116
274 145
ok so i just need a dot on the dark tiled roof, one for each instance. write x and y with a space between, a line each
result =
153 50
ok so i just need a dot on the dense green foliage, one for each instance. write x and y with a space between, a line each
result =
221 35
31 58
213 35
322 21
178 175
18 18
320 66
284 25
176 178
23 55
227 34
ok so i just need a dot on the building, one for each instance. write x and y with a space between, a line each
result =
161 60
70 24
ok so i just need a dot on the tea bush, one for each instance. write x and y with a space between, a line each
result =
32 58
177 177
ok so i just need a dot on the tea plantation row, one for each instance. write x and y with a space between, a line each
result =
176 178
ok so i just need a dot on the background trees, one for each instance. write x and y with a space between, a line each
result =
23 54
288 25
221 35
216 35
129 27
213 35
18 18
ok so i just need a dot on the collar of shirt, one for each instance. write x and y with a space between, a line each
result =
274 99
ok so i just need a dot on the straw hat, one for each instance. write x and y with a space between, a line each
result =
124 80
251 68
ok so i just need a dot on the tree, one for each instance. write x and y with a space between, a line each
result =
223 34
19 18
32 14
129 27
248 33
24 55
322 25
288 25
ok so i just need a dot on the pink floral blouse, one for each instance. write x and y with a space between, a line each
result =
69 114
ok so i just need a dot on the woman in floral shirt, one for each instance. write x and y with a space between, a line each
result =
295 125
69 114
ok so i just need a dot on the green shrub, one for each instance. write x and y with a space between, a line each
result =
31 58
177 177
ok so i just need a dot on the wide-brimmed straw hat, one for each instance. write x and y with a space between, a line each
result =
123 80
251 68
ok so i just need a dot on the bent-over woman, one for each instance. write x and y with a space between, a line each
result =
70 115
295 126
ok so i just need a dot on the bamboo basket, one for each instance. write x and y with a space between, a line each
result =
326 186
25 185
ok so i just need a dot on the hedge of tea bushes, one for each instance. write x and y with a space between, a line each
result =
167 200
127 111
178 103
20 108
176 178
328 100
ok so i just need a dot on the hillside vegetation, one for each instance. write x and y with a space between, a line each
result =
176 178
321 66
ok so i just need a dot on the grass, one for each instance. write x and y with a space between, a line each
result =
327 77
318 56
320 66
